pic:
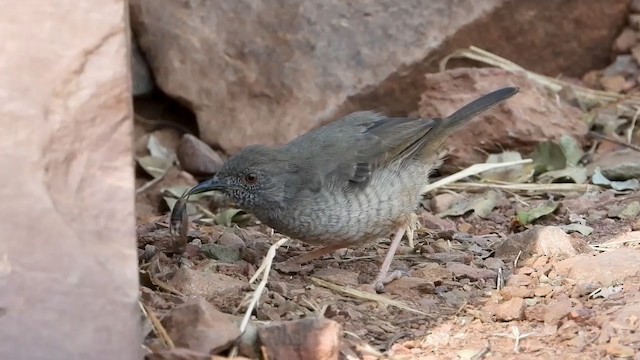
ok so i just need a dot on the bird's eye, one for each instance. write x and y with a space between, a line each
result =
250 178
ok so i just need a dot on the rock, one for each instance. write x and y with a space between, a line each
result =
230 239
260 72
521 123
614 83
518 280
626 237
199 326
185 354
568 330
432 272
226 254
492 263
196 157
406 285
434 222
67 183
634 22
617 166
542 291
338 276
509 292
556 310
510 310
141 77
625 41
619 350
607 269
549 241
310 338
192 282
624 65
460 270
443 202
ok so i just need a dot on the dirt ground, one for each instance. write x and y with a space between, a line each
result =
452 284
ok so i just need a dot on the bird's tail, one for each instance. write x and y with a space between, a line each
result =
452 122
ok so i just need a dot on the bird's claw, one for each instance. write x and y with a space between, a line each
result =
379 283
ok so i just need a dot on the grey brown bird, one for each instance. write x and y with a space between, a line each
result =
355 180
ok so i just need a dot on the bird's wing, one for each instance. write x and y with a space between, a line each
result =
347 151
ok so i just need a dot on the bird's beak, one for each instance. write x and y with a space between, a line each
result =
208 185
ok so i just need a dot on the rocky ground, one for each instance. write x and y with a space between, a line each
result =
535 261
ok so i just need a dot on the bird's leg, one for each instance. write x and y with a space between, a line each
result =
383 276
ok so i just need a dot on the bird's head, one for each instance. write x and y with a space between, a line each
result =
258 179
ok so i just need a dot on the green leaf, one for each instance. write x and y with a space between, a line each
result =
528 217
571 149
548 156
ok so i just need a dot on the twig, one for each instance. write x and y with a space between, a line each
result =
553 187
471 170
634 119
592 97
612 140
152 182
367 296
160 331
263 270
515 261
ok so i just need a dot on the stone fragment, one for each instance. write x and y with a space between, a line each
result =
310 338
510 310
199 326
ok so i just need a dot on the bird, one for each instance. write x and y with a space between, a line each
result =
344 184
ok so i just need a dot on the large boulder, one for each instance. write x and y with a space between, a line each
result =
264 72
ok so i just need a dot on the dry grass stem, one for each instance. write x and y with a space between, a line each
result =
470 171
158 329
365 295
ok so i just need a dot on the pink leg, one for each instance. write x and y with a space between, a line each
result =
382 277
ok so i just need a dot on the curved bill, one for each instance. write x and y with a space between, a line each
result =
207 185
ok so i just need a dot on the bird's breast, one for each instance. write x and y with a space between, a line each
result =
348 215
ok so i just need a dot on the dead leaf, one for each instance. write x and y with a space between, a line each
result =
154 166
514 174
179 191
550 156
528 217
156 149
191 209
577 227
481 205
228 217
576 174
629 211
598 179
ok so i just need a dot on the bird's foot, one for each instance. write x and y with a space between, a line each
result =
383 279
